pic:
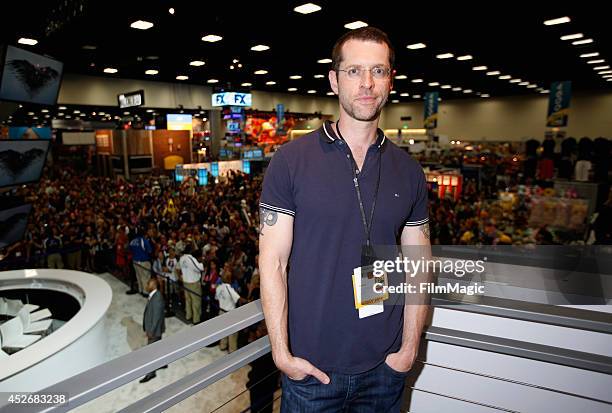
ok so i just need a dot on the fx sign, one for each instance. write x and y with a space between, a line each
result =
231 99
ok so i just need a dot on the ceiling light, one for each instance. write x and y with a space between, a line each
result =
330 93
29 42
295 77
417 80
395 101
595 54
572 36
416 46
606 76
445 86
307 8
292 89
601 67
531 86
393 92
608 80
604 72
110 70
212 81
493 73
468 91
171 10
211 38
151 72
312 91
456 89
355 25
505 77
260 48
197 63
152 57
270 83
479 68
404 94
594 62
30 113
417 96
484 95
523 83
445 56
45 110
515 80
88 47
585 41
319 76
465 57
261 72
149 110
544 91
559 20
433 84
246 84
74 111
324 61
141 25
62 108
182 77
235 61
401 77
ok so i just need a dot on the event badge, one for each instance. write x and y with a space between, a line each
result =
367 301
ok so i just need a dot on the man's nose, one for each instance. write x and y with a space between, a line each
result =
367 81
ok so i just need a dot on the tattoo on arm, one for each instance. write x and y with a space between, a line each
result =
266 217
425 230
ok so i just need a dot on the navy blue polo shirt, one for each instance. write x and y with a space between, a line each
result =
311 180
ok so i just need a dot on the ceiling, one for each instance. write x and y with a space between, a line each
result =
510 38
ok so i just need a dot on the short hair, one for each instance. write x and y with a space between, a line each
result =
369 34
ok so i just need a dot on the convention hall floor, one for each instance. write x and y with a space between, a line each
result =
124 326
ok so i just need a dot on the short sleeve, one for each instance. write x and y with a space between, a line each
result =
277 193
419 213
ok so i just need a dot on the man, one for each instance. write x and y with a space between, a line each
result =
141 255
153 322
191 270
53 247
324 197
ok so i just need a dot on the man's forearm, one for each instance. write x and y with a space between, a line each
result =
415 316
274 302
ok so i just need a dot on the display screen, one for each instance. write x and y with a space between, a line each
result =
179 121
13 223
132 99
30 77
24 132
22 161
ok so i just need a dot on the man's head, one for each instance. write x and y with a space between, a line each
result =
362 72
152 284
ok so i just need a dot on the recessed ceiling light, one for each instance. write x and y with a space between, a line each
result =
312 91
44 110
544 91
604 72
445 56
151 72
355 25
270 83
319 76
30 113
260 48
484 95
465 57
393 92
307 8
110 70
505 77
74 111
182 77
523 83
330 93
416 46
468 91
295 77
62 108
152 57
531 86
149 110
456 89
608 80
324 61
401 77
515 80
572 36
417 80
29 42
171 10
395 101
211 38
594 62
601 67
445 86
417 96
197 63
291 89
434 84
479 68
261 72
493 73
559 20
68 117
606 76
405 94
141 25
88 47
585 41
246 84
585 55
212 81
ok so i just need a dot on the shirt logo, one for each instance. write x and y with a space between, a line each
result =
396 195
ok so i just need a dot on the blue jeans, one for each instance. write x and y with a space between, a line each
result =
375 391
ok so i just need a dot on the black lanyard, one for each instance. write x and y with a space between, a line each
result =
367 228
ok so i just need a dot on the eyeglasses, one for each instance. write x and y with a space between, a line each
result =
377 72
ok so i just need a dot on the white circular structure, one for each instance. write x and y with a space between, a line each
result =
76 346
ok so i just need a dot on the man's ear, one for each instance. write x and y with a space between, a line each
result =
333 80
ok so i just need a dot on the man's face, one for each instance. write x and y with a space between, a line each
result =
362 97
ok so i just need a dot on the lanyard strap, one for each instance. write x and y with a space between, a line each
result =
367 228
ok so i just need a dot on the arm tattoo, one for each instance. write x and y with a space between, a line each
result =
425 230
266 217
